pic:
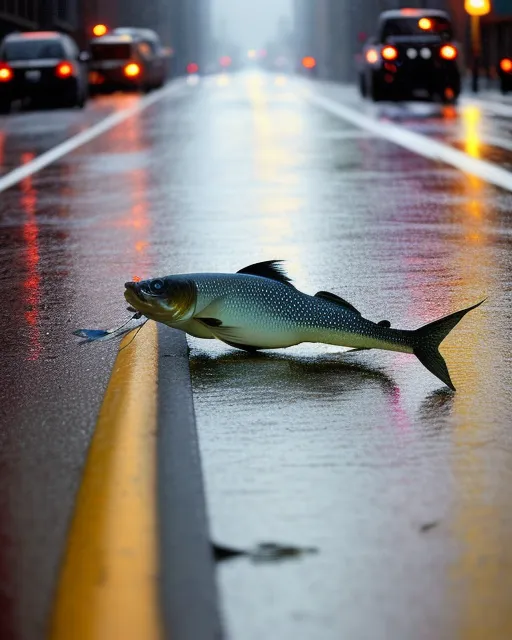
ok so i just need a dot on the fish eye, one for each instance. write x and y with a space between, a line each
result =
157 286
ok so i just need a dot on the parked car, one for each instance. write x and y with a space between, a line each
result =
413 56
43 66
505 75
127 59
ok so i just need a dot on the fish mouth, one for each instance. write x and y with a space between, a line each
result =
133 293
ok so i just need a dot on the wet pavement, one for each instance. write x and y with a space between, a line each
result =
401 485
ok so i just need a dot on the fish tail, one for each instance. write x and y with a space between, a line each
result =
428 338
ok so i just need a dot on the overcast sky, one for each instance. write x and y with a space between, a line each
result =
249 22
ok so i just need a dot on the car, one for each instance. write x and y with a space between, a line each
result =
414 56
504 70
44 67
126 60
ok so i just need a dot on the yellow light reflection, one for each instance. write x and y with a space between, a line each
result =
281 81
275 166
480 575
471 119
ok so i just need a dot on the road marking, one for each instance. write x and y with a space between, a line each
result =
417 143
111 121
108 585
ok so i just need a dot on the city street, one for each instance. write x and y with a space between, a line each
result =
401 485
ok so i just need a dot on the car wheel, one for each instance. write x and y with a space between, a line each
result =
5 107
376 92
362 85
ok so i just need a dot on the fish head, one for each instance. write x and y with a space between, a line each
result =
169 300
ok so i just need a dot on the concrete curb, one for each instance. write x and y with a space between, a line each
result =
188 590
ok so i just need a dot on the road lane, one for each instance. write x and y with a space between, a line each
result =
401 485
69 237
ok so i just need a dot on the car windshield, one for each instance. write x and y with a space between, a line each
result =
407 27
32 50
119 51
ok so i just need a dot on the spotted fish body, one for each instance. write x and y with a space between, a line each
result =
258 308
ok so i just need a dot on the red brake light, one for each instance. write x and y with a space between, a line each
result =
389 53
64 70
192 67
132 70
505 65
5 73
225 61
309 62
448 52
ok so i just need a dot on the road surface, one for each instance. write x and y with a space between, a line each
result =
404 210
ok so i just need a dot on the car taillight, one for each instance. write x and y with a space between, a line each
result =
5 73
372 56
64 70
132 70
308 62
505 65
192 67
389 53
448 52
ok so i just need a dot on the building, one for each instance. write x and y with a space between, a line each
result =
61 15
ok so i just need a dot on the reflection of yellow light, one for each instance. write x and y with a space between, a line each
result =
471 117
280 81
425 24
252 53
223 80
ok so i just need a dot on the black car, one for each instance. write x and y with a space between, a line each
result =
43 66
127 60
505 75
414 56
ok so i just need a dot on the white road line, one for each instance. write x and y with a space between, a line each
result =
42 161
417 143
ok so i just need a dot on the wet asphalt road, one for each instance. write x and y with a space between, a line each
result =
401 485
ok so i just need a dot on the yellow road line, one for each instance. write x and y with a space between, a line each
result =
108 585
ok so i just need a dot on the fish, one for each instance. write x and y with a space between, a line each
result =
258 308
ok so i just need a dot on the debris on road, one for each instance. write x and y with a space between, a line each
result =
263 552
102 335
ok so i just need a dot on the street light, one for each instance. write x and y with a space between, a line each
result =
476 9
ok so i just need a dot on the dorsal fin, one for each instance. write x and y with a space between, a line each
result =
332 297
270 269
384 323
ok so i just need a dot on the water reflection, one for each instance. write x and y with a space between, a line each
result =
32 280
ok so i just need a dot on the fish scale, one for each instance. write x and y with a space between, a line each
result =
258 308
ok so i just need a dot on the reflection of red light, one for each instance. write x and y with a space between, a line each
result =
32 281
308 62
389 53
225 61
262 53
192 67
